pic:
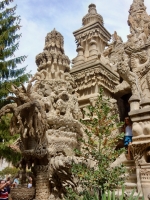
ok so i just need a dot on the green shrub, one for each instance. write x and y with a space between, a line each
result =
8 170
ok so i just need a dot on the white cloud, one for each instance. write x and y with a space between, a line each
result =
40 17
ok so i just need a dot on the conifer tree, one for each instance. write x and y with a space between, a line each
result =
9 71
9 43
7 140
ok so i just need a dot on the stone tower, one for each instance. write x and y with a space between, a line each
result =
90 68
46 115
123 70
138 51
133 66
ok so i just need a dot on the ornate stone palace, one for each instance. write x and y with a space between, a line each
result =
46 113
123 70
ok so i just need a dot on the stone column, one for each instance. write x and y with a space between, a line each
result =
42 183
140 149
145 180
80 57
139 187
134 102
93 48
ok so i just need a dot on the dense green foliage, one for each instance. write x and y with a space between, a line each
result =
9 170
6 140
9 74
99 143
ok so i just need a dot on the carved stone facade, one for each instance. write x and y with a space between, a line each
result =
90 68
123 70
46 113
135 62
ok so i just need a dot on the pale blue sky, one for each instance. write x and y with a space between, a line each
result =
38 17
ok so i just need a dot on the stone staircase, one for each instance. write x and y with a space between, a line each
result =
131 178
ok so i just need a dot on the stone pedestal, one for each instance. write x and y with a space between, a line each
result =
134 102
23 193
145 103
145 180
141 147
80 56
42 184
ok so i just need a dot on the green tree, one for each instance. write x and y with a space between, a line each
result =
9 43
7 140
9 170
9 73
99 145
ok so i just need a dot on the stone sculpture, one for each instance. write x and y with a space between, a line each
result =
46 115
132 62
90 69
46 112
132 58
129 64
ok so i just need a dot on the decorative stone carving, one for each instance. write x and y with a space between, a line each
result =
42 182
23 193
52 63
92 16
46 115
139 150
137 51
126 70
88 78
92 38
114 50
145 175
145 181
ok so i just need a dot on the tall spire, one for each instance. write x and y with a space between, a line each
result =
53 59
137 6
54 39
92 16
91 38
138 16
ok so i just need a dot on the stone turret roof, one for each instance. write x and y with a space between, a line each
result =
92 16
54 39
